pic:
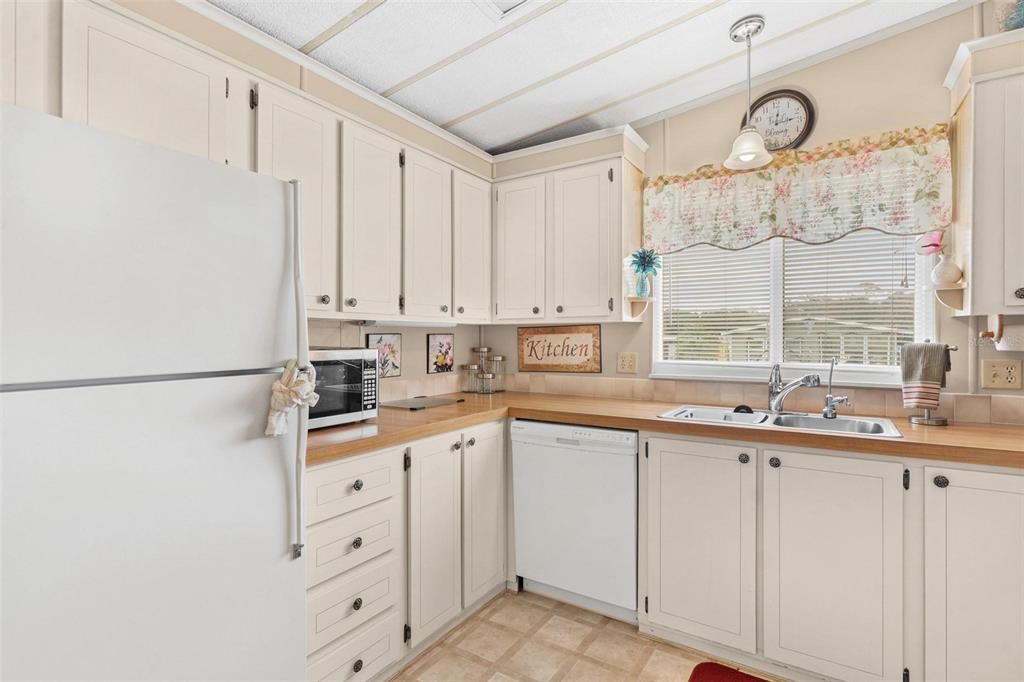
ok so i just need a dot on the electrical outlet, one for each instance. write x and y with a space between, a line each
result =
627 363
1000 374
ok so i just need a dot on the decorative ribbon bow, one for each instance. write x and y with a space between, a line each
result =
295 388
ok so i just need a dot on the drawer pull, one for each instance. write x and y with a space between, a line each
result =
358 485
357 543
941 482
357 666
357 604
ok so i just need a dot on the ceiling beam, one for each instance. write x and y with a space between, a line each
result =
346 21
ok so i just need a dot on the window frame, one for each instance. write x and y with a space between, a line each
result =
866 376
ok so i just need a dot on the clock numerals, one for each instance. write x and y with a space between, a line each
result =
783 118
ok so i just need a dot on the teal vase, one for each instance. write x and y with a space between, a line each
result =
643 285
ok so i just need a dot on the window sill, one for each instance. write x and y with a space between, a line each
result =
853 376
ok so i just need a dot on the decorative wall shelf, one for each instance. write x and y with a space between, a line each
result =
638 305
951 296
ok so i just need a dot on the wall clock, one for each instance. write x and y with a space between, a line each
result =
783 117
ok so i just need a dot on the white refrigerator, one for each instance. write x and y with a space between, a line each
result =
147 304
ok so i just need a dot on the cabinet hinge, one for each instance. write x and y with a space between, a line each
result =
401 159
645 605
906 675
647 450
407 462
906 479
611 304
611 175
254 98
227 87
407 633
401 302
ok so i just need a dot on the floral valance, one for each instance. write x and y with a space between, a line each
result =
898 183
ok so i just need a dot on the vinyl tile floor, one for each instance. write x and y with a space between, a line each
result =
529 638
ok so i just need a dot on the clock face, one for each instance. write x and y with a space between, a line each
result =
784 119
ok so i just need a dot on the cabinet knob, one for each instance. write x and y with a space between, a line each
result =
357 543
457 445
941 482
471 442
536 310
357 485
357 604
351 302
559 309
744 458
444 309
325 299
357 666
461 310
1019 293
774 462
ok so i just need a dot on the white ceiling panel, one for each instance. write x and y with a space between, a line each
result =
645 65
293 22
559 39
400 38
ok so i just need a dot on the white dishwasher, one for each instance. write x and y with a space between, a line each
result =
574 497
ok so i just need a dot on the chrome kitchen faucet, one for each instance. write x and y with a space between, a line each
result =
777 392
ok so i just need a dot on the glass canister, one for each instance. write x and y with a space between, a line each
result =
486 382
480 354
496 365
471 378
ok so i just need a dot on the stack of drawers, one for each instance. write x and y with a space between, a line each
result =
355 566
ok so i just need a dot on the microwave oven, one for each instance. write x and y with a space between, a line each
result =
346 381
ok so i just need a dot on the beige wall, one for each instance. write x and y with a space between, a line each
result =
894 83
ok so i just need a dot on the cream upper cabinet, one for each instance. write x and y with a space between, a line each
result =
579 240
427 237
123 77
435 534
833 565
471 248
371 222
483 511
974 563
701 510
520 245
298 140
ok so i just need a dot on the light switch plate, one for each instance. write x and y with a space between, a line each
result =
626 363
1000 374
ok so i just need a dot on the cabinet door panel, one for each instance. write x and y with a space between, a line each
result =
519 255
580 234
298 140
435 535
471 248
833 565
702 524
371 224
427 237
974 560
128 79
483 520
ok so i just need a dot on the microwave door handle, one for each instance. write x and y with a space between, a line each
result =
302 356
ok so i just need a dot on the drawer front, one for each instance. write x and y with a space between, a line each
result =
336 489
363 655
333 611
347 541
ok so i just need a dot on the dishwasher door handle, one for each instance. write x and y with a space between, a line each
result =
567 441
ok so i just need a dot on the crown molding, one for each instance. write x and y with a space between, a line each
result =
625 131
964 52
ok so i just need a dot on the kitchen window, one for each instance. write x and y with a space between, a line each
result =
729 315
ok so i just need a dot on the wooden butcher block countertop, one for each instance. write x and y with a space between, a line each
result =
990 444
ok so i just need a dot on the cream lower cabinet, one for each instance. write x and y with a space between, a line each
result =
426 237
298 140
435 534
974 576
702 540
483 511
833 565
471 248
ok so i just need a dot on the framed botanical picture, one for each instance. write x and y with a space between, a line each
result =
574 348
440 353
389 353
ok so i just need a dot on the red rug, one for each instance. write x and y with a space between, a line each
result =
714 672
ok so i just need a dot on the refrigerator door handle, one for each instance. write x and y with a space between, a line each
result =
302 355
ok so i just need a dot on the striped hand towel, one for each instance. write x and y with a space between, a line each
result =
924 367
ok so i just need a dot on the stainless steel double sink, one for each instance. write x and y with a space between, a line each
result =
863 426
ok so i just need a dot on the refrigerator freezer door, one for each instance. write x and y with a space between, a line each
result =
146 534
118 258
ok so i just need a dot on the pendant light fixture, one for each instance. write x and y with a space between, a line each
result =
748 151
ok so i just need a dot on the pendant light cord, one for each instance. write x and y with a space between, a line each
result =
749 122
